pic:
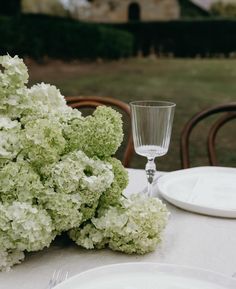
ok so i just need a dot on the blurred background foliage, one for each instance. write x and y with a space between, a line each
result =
204 78
197 33
38 36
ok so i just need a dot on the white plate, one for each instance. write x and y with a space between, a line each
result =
147 276
204 190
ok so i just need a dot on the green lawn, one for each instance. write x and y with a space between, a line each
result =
192 84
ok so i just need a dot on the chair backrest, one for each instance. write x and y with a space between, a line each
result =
229 111
81 102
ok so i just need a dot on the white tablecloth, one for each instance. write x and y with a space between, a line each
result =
189 239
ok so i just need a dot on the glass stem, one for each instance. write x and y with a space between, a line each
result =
150 172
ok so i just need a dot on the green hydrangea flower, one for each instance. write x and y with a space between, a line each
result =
99 135
112 195
43 141
19 182
64 209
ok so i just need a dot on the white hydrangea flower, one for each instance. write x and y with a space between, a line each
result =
16 72
45 100
13 93
31 228
10 139
6 123
76 172
8 258
22 227
78 182
135 226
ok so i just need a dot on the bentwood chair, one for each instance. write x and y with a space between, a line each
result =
81 102
226 113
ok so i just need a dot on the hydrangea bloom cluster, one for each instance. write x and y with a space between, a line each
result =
57 174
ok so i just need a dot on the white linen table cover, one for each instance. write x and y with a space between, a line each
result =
189 239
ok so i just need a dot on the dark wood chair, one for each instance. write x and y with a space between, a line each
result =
229 113
81 102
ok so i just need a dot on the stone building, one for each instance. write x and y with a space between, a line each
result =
125 10
49 7
107 10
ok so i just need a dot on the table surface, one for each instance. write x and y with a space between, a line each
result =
189 239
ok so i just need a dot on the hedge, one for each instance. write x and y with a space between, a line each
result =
10 7
184 38
38 36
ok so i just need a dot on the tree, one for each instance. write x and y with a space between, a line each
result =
223 9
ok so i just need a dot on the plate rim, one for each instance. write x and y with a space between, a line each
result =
200 209
225 278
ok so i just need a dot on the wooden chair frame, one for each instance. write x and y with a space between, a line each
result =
95 101
230 113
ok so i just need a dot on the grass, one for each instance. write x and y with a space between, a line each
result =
193 84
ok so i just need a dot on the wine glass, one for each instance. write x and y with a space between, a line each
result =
151 127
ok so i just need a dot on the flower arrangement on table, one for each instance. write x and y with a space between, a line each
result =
57 174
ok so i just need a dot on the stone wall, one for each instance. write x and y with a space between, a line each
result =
109 10
49 7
